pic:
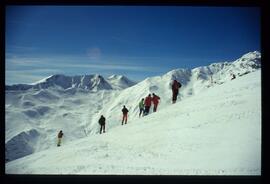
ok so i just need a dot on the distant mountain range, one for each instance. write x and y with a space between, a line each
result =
88 82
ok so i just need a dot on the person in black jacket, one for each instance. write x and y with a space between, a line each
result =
101 121
60 135
125 113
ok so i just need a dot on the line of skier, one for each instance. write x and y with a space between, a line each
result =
144 107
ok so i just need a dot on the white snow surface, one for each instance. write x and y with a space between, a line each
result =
213 129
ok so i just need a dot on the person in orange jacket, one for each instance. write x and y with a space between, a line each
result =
155 100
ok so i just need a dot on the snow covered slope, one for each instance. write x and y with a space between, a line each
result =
74 104
50 104
46 112
215 132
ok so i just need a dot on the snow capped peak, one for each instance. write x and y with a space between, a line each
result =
98 83
250 61
89 82
118 77
114 76
251 55
217 73
120 81
97 76
180 74
42 80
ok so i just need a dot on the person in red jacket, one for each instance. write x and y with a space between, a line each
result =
155 100
147 104
175 89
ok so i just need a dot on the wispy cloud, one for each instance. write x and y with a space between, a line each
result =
23 47
45 70
20 48
62 63
112 67
24 61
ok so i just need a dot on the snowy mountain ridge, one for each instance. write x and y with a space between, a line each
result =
87 82
120 82
34 116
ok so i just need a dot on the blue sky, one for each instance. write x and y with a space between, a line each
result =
135 41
